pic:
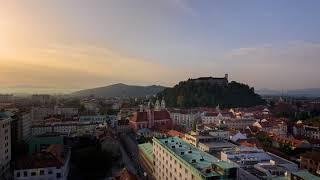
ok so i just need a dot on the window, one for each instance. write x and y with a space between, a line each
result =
58 175
41 172
50 171
25 173
33 173
18 174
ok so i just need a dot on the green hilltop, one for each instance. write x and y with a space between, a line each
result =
210 92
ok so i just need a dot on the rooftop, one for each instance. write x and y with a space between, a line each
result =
305 175
54 156
194 157
147 150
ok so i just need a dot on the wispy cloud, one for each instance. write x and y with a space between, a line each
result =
290 65
77 66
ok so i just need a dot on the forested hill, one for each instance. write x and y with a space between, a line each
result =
205 94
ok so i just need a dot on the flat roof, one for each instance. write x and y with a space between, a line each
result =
305 175
218 144
146 148
194 157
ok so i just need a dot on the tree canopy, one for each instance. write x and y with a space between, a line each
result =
190 93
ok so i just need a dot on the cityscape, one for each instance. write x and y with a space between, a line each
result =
159 90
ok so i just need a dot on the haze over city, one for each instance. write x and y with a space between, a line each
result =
61 46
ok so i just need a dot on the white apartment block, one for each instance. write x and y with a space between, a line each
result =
184 118
175 159
67 128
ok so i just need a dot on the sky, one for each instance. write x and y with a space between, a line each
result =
76 44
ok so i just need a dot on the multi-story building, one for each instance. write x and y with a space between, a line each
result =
312 132
184 118
67 128
6 98
215 117
39 113
93 118
176 159
26 124
206 142
5 142
239 123
52 163
146 159
257 164
41 98
311 162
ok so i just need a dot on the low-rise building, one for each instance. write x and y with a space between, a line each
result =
257 164
51 164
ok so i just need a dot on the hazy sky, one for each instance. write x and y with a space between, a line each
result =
74 44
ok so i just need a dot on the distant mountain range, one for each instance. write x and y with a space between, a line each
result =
121 90
310 92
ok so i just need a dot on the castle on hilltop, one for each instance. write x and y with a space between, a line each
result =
222 81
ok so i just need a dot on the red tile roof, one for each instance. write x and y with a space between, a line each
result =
174 133
52 157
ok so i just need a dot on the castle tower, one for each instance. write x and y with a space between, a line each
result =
226 76
163 104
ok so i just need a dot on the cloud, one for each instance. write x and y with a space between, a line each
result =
80 66
290 65
184 6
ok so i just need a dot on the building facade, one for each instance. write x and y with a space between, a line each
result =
51 164
5 142
184 118
156 118
176 159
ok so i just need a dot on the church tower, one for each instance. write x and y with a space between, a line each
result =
157 106
163 104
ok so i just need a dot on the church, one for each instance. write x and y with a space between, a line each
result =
152 118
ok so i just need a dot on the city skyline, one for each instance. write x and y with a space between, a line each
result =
64 46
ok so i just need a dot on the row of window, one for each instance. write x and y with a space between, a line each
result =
33 173
5 124
160 157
